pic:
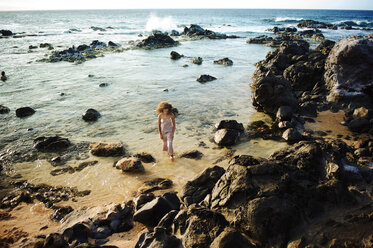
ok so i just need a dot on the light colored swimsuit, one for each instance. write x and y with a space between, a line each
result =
166 130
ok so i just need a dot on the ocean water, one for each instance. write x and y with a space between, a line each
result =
137 80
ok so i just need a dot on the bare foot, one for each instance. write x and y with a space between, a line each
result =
172 157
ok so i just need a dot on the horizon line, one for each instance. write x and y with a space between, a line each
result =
19 10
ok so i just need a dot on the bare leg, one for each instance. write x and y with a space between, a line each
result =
170 147
165 148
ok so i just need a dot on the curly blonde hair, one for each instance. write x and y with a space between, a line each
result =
162 106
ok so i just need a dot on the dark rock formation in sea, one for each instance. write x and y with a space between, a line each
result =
157 40
51 144
145 157
24 112
197 60
4 32
175 55
316 24
197 32
91 115
205 78
224 61
4 109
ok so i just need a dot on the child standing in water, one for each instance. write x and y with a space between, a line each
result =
166 127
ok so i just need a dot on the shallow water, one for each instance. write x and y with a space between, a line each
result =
137 80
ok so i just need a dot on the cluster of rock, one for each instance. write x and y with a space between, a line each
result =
323 25
157 40
197 32
84 52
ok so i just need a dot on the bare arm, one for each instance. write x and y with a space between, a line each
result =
159 126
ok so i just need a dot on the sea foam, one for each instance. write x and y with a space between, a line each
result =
160 23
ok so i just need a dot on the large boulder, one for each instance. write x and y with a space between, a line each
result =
229 124
51 144
152 212
158 238
101 149
226 137
348 70
196 190
131 164
292 135
359 124
24 112
271 92
194 154
157 40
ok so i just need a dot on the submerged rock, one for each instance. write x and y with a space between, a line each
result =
51 144
130 164
205 78
175 55
101 149
4 109
224 61
24 112
194 154
197 61
4 32
91 115
145 157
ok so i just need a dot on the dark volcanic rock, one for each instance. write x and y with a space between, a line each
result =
197 61
194 154
359 125
291 135
224 61
348 72
315 24
51 144
24 112
229 124
205 78
196 190
226 137
4 32
91 115
101 149
4 109
61 212
175 55
195 31
152 212
155 184
158 238
157 40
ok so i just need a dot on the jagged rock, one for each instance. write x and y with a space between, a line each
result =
51 144
158 238
91 115
24 112
325 46
224 61
359 125
130 164
226 137
157 40
284 113
315 24
348 73
101 149
229 124
196 190
194 154
142 199
113 44
292 135
262 39
362 112
205 78
175 55
155 184
152 212
231 238
61 212
195 31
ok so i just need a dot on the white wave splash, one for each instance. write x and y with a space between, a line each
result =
160 23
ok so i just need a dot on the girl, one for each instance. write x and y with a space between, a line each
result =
166 126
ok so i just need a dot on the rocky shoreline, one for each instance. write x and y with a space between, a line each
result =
317 192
